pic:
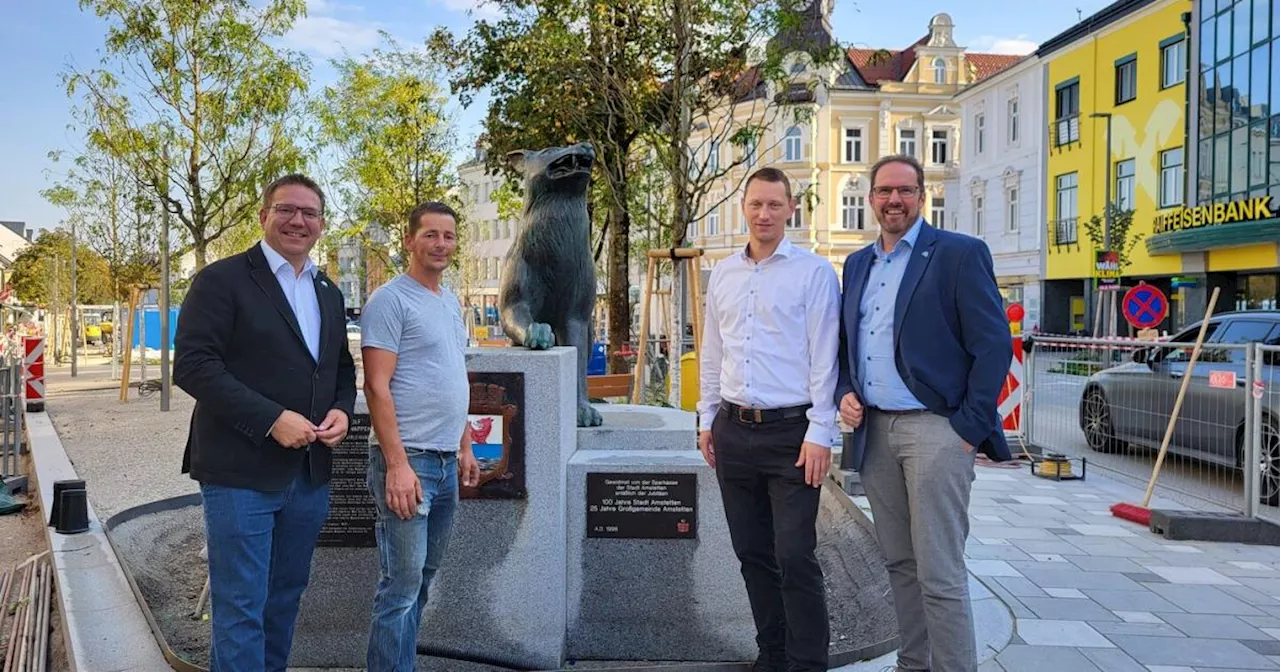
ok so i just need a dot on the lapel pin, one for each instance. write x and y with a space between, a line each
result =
925 253
323 283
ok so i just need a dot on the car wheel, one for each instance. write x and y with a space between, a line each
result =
1269 463
1096 422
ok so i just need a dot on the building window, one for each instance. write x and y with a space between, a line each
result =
1171 177
797 217
713 222
1173 62
938 147
1013 120
938 212
1261 19
1126 79
742 219
979 133
907 141
853 145
939 71
792 145
1067 113
1066 211
977 215
749 151
853 211
713 158
1124 184
691 232
1258 156
1012 197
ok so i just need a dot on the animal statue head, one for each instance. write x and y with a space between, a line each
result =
555 169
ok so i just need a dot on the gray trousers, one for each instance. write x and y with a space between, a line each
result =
918 476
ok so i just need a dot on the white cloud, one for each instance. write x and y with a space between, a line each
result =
322 33
989 44
478 9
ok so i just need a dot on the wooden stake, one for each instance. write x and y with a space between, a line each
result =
1177 404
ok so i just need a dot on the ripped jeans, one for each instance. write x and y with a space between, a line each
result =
409 552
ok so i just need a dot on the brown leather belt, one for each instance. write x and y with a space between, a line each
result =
756 416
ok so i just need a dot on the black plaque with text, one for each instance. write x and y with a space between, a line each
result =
351 509
642 506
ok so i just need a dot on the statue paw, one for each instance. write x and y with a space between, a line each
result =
539 337
588 416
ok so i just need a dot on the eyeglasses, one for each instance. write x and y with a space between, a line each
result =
288 211
905 192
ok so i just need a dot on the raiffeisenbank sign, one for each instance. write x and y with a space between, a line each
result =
1214 214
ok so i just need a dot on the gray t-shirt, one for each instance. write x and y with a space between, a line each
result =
429 386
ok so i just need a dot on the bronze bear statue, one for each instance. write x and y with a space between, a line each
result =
548 287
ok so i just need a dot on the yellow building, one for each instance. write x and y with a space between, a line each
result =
1116 100
878 102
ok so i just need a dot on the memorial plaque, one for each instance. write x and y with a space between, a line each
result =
642 506
351 509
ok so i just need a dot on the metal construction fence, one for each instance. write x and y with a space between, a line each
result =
11 416
1110 400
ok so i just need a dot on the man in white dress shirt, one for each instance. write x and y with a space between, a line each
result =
767 416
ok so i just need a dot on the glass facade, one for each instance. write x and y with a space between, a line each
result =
1239 122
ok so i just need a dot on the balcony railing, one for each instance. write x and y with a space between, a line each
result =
1065 130
1064 231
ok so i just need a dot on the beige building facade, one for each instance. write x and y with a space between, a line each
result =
879 102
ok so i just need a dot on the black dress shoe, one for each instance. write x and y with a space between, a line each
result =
767 662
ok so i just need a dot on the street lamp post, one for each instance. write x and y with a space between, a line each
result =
1106 220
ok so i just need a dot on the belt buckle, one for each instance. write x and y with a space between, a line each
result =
751 415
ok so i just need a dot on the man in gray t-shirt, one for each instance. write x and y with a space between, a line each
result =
415 381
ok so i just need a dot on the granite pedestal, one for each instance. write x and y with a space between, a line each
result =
653 599
501 592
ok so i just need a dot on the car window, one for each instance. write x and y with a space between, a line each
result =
1188 336
1239 332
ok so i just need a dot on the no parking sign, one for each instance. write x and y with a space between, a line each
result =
1145 306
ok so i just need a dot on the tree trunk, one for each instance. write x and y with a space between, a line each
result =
619 279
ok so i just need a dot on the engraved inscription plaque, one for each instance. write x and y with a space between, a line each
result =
351 509
642 506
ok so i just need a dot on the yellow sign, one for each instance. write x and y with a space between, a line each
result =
1215 214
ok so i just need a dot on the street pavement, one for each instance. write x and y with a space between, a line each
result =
1091 592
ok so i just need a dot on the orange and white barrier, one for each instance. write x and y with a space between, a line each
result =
1010 401
33 372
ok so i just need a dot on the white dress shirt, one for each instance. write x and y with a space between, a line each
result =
771 336
300 291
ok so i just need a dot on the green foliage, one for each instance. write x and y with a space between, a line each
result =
1123 238
195 105
42 272
112 217
385 121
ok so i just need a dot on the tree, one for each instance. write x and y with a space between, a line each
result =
385 121
557 71
1123 239
113 218
44 268
195 104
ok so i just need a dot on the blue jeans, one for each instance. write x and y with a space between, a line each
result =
260 546
409 552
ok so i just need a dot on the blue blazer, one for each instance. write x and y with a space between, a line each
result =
953 344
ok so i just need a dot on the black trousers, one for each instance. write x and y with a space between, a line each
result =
772 516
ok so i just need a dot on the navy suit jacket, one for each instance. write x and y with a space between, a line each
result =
952 341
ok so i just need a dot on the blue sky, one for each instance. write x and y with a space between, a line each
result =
38 40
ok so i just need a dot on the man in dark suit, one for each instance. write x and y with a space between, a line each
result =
262 347
924 349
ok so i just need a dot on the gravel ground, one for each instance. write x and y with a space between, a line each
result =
128 454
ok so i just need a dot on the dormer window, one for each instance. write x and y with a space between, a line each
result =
939 71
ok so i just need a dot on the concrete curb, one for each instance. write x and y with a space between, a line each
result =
104 626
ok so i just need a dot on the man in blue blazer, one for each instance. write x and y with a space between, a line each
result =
924 349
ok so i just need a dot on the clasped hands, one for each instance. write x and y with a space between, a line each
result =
851 410
293 430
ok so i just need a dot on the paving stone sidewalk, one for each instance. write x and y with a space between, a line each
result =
1092 592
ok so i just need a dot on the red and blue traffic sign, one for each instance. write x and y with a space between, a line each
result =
1145 306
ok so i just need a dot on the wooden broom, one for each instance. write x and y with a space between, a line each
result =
1142 514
